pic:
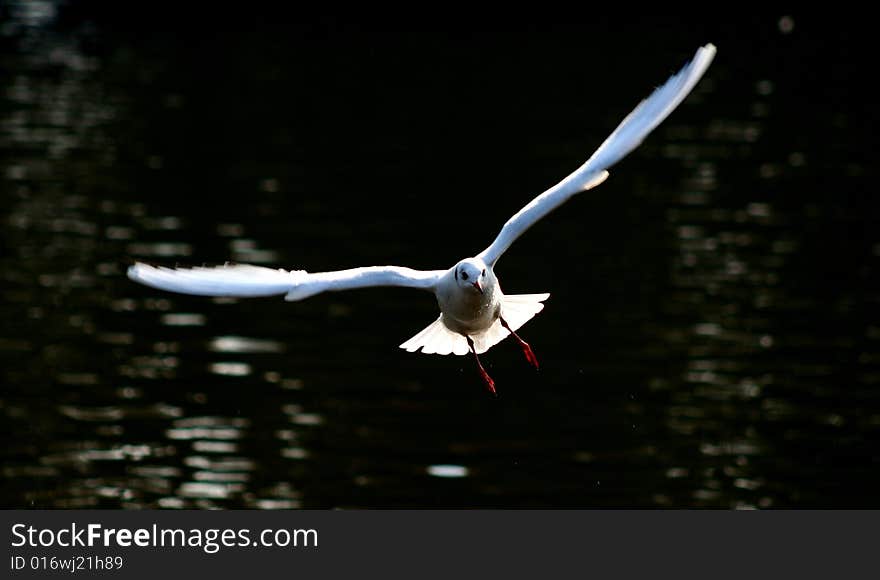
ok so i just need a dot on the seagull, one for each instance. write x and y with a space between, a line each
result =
475 314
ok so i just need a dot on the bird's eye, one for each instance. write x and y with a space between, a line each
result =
464 276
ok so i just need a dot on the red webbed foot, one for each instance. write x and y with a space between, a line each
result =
527 350
486 378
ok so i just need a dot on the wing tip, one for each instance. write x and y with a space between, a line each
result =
135 271
698 65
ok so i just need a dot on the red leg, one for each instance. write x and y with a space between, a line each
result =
527 350
489 382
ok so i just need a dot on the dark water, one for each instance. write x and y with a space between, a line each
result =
712 338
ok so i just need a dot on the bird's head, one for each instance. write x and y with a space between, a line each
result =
472 275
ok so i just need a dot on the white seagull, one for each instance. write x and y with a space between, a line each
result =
475 314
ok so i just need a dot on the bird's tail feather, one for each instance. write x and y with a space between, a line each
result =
516 309
437 339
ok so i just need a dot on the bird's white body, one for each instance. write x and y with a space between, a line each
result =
464 309
474 313
467 312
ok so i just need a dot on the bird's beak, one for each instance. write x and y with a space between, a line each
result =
478 287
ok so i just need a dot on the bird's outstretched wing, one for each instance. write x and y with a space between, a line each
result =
628 135
241 280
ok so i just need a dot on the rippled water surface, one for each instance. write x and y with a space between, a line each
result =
712 338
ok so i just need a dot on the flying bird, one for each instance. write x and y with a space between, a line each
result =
475 314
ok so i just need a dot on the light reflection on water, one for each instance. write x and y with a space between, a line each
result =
726 353
447 470
244 345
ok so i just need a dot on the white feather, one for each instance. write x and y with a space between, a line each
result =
517 309
437 339
227 280
628 135
485 340
242 280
